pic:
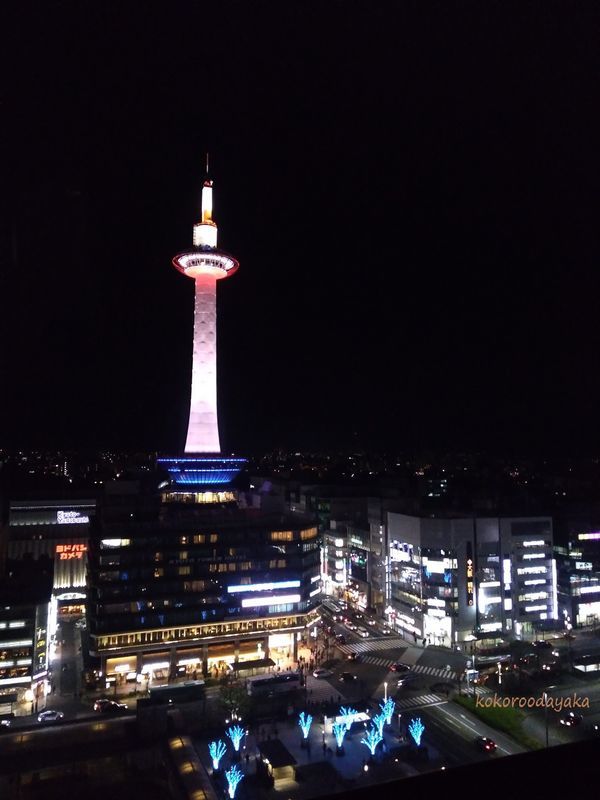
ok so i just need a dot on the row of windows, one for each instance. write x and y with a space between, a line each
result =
218 629
213 538
5 655
159 572
14 672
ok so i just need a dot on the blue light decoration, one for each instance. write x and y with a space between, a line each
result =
348 713
235 733
217 751
202 470
339 731
379 721
416 729
372 739
387 709
234 776
305 721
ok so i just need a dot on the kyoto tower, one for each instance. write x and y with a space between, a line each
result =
202 466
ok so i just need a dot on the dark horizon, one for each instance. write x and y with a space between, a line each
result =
411 194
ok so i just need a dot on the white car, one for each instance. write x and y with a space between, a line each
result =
386 631
363 632
50 716
321 672
371 622
350 625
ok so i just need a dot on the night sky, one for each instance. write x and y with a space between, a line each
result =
411 190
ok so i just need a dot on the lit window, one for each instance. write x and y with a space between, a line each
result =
281 536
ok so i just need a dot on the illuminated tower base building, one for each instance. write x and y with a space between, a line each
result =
192 581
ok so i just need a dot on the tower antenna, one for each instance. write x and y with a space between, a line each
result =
207 164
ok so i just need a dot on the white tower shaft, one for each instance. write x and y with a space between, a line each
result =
203 428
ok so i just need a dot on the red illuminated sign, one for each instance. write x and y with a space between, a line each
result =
69 551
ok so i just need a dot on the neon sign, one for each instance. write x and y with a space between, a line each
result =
469 575
66 552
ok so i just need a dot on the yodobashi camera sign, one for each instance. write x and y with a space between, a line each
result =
71 518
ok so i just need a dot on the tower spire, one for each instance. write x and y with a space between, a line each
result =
207 199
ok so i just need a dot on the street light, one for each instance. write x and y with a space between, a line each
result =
545 696
385 692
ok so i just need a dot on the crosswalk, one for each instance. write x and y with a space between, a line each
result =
419 702
434 672
373 645
394 644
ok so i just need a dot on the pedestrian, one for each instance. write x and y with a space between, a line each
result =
324 748
247 760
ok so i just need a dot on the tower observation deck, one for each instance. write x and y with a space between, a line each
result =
202 463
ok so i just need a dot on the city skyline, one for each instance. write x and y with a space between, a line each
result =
416 225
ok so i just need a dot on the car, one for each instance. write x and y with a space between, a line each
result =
353 657
350 625
371 622
347 677
486 744
112 707
549 666
50 716
571 719
362 632
541 644
386 631
357 615
398 666
407 679
321 672
340 638
102 701
570 636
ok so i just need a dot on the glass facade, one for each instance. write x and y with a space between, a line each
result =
195 571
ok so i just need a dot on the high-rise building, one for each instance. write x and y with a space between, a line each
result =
194 580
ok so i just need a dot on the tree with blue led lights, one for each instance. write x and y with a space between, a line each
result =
234 776
387 709
235 733
217 751
348 714
416 729
379 721
339 731
305 721
372 739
